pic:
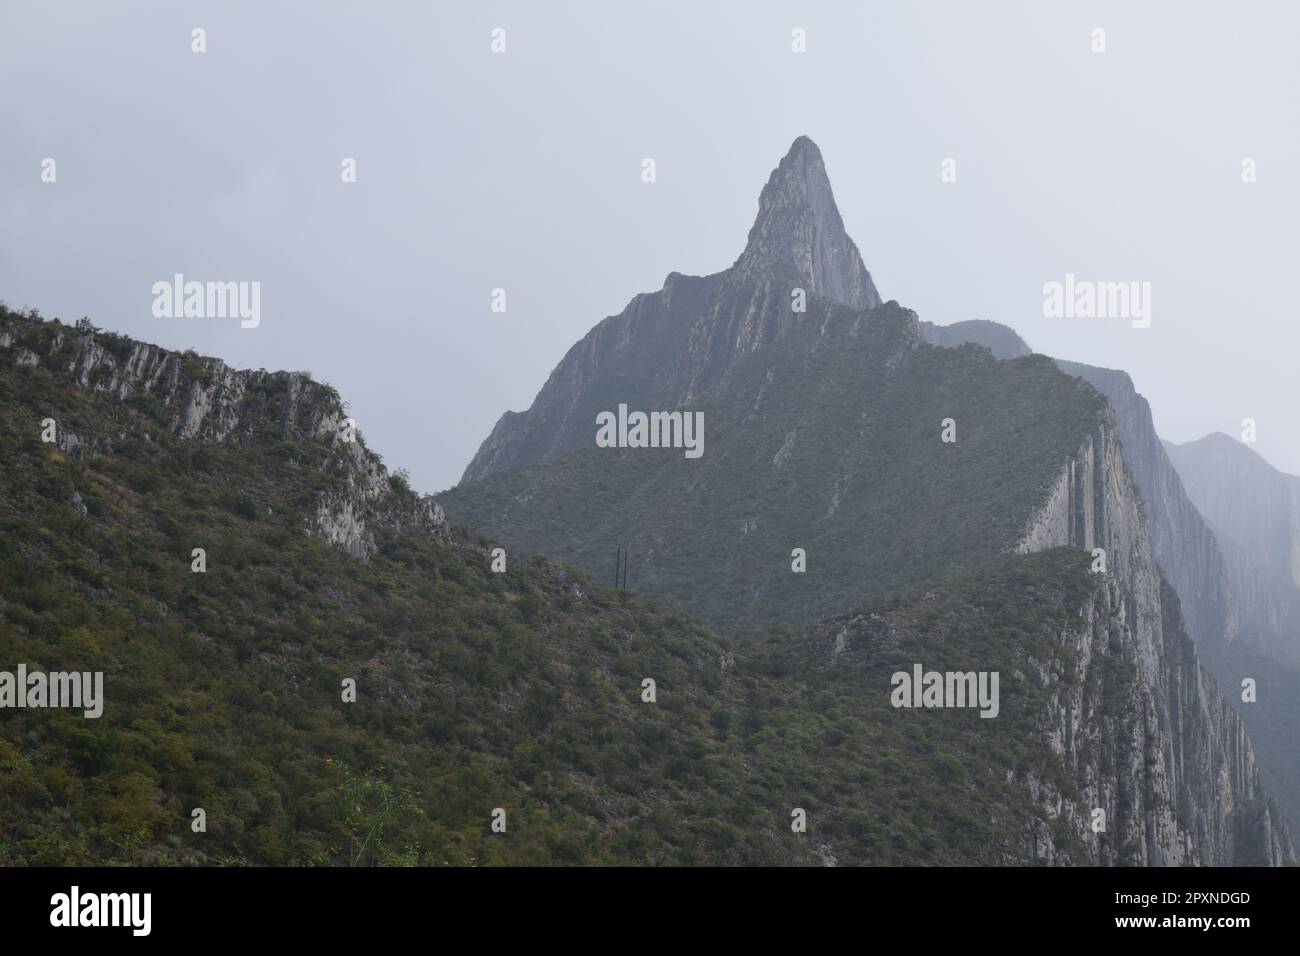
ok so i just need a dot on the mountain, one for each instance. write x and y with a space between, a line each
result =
820 441
671 345
520 690
1218 585
841 437
798 239
1255 512
1185 547
820 427
999 339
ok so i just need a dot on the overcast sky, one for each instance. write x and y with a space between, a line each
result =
521 170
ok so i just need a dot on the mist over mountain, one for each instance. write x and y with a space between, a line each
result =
1254 510
999 339
597 436
839 434
526 688
859 503
1230 574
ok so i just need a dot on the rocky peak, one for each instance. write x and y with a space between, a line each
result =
667 348
799 236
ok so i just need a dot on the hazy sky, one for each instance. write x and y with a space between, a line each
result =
522 170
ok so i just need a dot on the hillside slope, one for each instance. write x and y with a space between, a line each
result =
838 436
829 440
477 690
1232 609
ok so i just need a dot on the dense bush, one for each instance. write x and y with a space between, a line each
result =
475 690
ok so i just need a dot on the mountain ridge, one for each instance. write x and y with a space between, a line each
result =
829 437
1216 581
1038 814
678 342
953 504
206 400
478 690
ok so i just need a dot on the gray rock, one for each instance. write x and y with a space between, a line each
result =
673 344
203 400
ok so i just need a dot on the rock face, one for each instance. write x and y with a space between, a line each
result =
1180 793
1232 609
204 400
1184 545
1254 510
1235 594
668 347
1187 782
798 239
1235 598
826 435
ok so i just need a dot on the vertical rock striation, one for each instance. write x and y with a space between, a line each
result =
670 346
798 239
1254 510
1185 547
1163 753
1144 728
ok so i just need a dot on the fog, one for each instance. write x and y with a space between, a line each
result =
521 170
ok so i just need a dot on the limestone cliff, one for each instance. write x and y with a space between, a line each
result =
825 436
204 400
798 239
668 347
1167 757
1254 510
1229 608
1185 547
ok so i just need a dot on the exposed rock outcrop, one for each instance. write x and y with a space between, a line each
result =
1185 548
810 408
204 400
798 239
1254 510
1228 604
672 345
1184 787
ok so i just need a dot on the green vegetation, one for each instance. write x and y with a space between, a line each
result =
475 690
828 440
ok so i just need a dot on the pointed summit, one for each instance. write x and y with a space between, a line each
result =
799 236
